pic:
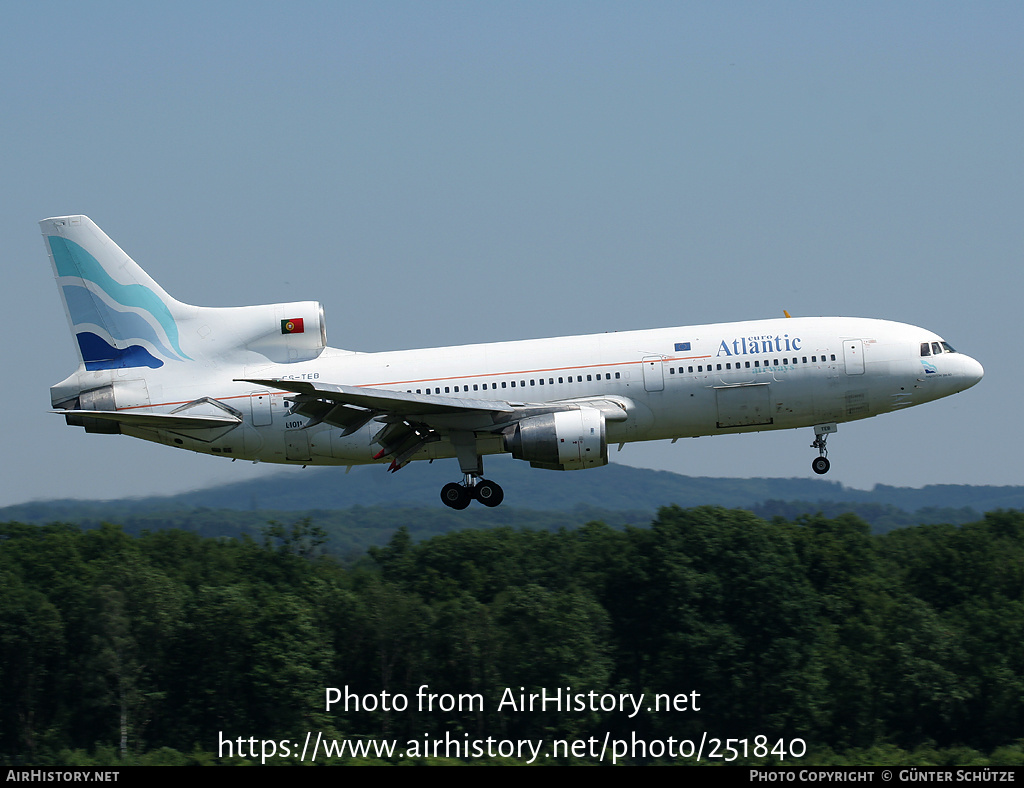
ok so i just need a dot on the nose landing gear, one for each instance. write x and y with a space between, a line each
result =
820 464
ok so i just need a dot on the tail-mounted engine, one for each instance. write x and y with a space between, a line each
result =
567 440
94 399
283 333
127 393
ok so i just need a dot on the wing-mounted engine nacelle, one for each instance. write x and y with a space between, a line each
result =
283 333
566 440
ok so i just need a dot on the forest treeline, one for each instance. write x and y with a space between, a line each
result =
903 647
352 531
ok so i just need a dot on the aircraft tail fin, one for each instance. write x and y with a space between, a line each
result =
122 318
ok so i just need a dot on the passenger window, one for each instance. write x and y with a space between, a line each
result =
747 364
513 384
504 384
616 375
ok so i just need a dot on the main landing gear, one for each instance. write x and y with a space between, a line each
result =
458 496
820 464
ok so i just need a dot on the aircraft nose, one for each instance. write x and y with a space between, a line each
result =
971 372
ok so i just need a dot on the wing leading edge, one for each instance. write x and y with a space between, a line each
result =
397 402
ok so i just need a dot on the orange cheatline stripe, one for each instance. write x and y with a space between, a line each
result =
438 380
524 372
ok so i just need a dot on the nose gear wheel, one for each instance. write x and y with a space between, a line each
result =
820 464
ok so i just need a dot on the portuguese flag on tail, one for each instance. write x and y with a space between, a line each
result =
293 326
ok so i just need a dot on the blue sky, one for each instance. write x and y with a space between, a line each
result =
445 173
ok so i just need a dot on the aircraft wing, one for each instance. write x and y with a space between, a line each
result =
396 402
412 420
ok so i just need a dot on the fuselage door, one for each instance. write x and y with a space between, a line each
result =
262 408
853 354
654 373
296 446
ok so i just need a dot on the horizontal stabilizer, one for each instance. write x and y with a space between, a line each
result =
159 421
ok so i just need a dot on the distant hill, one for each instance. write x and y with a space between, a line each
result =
633 493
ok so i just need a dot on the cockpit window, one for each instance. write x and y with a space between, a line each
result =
936 348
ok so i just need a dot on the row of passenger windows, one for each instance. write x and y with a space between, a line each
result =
522 383
616 376
747 364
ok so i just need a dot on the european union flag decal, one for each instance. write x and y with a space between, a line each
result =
680 346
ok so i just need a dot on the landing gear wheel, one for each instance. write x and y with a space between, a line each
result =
488 493
456 496
820 465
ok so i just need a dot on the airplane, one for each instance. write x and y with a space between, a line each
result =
260 383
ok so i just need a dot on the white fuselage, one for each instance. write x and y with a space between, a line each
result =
259 382
672 383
